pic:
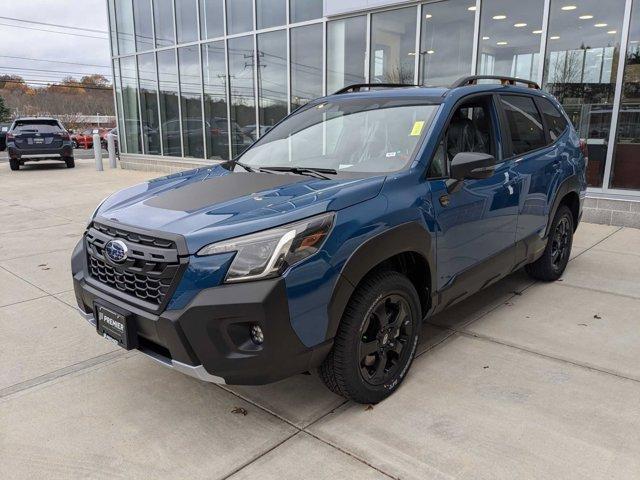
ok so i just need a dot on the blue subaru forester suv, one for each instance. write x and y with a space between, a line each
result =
328 242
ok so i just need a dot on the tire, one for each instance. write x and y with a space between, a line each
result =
370 378
551 265
14 164
70 161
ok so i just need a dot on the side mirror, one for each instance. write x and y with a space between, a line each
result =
472 165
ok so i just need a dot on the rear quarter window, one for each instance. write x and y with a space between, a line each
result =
556 122
524 123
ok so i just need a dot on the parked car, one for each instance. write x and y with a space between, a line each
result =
36 139
4 128
104 139
85 138
328 242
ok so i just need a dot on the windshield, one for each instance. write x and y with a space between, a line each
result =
356 135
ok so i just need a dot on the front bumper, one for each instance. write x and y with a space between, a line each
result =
210 337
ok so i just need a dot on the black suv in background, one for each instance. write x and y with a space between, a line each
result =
35 139
4 128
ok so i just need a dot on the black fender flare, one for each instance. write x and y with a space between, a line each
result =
569 184
407 237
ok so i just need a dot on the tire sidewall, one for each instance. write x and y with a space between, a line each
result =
562 213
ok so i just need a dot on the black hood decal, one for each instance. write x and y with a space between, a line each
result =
214 190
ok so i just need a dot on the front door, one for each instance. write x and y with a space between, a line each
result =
476 219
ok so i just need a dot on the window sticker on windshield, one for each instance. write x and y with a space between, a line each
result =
417 128
391 154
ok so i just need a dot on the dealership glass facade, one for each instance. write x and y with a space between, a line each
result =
205 78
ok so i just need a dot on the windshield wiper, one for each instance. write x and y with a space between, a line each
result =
312 172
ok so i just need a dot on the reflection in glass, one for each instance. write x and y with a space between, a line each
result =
215 101
346 52
144 25
625 171
510 38
446 41
211 18
191 101
579 71
117 83
130 103
124 25
271 13
149 103
169 110
239 16
393 46
303 10
187 20
243 113
112 26
163 21
272 78
306 64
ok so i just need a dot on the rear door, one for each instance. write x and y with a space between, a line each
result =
535 139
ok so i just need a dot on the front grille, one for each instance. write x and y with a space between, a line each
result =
149 272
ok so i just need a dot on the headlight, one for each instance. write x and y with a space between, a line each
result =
269 253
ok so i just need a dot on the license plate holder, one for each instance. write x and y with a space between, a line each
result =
116 325
38 140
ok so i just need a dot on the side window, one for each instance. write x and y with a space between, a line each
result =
525 123
556 123
470 130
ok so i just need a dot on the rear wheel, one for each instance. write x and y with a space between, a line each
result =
14 164
376 341
70 161
551 265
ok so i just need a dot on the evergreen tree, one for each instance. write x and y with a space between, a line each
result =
5 113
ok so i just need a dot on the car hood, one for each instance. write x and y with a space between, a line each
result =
211 204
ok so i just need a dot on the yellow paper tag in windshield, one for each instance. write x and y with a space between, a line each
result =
417 128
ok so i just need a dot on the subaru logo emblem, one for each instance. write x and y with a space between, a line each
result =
116 251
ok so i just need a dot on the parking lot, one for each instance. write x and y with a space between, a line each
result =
523 380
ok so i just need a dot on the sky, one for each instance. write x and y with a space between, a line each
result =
79 19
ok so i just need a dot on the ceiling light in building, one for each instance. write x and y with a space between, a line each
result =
612 32
585 17
472 9
501 43
430 52
634 41
411 54
519 25
567 8
499 17
428 16
486 38
554 38
600 25
537 32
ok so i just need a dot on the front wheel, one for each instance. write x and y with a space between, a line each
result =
551 265
376 340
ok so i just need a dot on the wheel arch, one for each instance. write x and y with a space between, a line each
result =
405 248
567 194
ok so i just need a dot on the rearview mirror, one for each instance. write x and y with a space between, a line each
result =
472 165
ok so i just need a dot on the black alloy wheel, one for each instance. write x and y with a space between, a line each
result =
553 262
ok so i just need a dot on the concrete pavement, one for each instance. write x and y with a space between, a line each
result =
523 380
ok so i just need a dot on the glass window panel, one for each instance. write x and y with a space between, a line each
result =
446 44
554 119
118 88
393 46
243 113
579 70
169 110
130 103
303 10
625 171
187 20
144 25
149 103
510 38
215 101
163 21
239 16
306 64
112 26
525 124
191 101
346 49
211 18
272 78
271 13
124 24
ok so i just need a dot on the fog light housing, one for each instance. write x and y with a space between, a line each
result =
257 336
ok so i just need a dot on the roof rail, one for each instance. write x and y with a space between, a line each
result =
358 86
473 80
